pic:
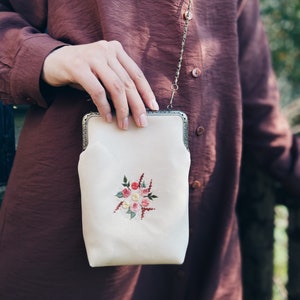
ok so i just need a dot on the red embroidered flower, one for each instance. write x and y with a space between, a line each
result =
134 185
126 192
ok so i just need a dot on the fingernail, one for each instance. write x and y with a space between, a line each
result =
108 118
124 124
143 120
154 105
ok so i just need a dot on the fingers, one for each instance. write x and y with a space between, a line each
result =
137 77
137 89
100 67
91 84
125 95
126 84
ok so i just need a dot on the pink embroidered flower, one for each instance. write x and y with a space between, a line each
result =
145 192
134 207
135 185
126 192
145 202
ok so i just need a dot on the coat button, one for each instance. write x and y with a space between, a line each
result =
196 184
196 72
188 15
200 130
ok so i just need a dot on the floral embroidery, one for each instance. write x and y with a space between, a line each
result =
136 197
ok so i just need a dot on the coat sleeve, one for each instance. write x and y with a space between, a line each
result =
23 48
267 135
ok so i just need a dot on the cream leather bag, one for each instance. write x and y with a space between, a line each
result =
134 186
134 190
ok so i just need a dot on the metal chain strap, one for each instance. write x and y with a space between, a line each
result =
175 87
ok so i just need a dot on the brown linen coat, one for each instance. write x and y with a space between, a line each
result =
226 86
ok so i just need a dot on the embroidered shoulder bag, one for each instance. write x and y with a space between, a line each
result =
134 188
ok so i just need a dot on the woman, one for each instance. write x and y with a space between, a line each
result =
54 55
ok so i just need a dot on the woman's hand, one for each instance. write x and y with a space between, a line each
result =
98 66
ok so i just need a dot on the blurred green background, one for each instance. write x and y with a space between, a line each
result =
282 21
281 18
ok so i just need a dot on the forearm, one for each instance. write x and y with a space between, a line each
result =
23 49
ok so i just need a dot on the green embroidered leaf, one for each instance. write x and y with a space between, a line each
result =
126 183
151 197
119 195
131 213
